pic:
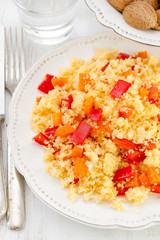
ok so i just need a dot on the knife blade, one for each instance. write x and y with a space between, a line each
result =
3 202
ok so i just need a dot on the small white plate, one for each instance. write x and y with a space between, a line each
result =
29 156
110 17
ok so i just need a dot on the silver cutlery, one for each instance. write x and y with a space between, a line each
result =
15 68
3 202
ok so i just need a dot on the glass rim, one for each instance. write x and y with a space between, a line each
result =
18 4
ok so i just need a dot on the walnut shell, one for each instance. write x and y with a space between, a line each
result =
158 16
157 27
153 3
119 4
140 15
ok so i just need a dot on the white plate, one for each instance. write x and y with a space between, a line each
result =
110 17
29 156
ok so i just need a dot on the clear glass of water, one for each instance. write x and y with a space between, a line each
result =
47 21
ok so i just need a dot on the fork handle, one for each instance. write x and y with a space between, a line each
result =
3 201
16 204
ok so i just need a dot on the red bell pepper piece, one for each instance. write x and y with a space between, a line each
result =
76 180
50 131
134 156
155 188
67 101
105 66
120 88
121 191
124 143
133 67
123 173
125 112
41 139
96 115
46 85
81 133
49 76
123 56
153 94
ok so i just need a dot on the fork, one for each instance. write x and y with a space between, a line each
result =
15 68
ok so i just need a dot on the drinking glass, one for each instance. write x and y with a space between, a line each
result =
47 21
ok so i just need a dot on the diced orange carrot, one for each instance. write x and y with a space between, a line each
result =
77 152
158 116
108 128
158 103
59 81
153 174
57 154
143 92
64 131
80 167
38 99
134 182
88 105
57 119
95 132
142 54
144 180
78 118
153 94
125 112
150 144
84 79
128 72
101 128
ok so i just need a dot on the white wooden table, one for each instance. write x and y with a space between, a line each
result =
41 222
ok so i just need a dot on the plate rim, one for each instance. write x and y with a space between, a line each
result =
97 12
150 222
113 226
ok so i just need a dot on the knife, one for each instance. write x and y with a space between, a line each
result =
3 202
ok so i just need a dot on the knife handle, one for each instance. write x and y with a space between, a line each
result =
16 204
3 201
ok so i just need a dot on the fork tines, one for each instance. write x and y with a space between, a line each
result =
15 67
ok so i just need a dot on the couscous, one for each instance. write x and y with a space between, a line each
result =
99 123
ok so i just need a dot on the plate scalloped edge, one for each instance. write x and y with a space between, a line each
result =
92 4
31 181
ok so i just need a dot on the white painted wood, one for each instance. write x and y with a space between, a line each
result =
41 222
